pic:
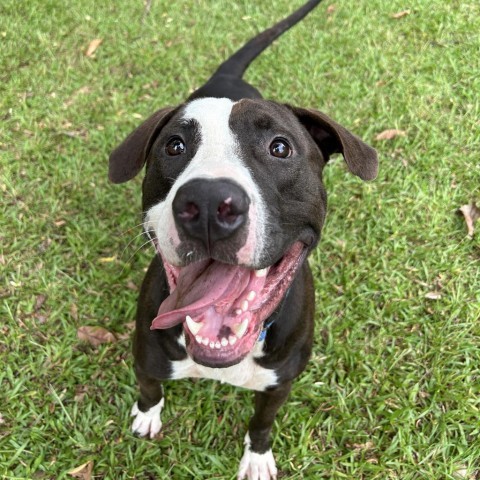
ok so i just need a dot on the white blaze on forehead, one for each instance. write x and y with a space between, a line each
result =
212 116
217 156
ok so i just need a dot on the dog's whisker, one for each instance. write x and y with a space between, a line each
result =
133 240
127 262
125 232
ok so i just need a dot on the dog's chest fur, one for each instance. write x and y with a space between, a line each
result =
247 374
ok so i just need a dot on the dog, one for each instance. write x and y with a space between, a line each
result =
233 201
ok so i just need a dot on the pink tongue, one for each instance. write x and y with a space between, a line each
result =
200 286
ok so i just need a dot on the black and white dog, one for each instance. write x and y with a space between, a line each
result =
234 202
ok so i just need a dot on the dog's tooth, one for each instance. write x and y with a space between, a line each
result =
212 344
194 327
245 305
218 344
205 341
251 295
261 273
224 342
238 311
232 339
198 338
241 328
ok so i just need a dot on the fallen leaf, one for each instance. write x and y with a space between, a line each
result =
39 301
471 214
80 392
331 9
83 471
124 336
362 446
74 311
81 91
130 325
41 319
463 472
107 259
92 47
82 133
401 14
433 295
390 134
2 420
95 335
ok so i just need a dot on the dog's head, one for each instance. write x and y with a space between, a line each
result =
234 201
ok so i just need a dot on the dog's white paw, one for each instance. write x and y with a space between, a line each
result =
149 422
256 466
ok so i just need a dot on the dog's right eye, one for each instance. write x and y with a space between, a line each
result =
280 148
175 146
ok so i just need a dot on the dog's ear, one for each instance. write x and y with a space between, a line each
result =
332 138
129 157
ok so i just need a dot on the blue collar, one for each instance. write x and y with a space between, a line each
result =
266 326
263 333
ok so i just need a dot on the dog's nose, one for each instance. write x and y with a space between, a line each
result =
210 209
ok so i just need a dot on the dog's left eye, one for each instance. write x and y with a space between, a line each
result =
280 148
175 146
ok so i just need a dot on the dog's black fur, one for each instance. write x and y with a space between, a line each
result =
295 198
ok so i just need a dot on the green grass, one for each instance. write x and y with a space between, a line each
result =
393 388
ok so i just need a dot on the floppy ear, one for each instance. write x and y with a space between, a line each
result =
332 138
128 158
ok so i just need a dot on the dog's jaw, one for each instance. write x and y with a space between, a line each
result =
223 307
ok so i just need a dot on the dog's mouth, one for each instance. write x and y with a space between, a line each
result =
223 307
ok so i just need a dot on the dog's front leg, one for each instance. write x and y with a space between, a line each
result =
257 462
149 406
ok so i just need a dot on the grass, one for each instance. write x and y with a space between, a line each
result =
393 388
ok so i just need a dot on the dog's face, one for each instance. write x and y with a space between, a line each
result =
234 201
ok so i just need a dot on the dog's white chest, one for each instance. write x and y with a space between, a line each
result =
247 374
